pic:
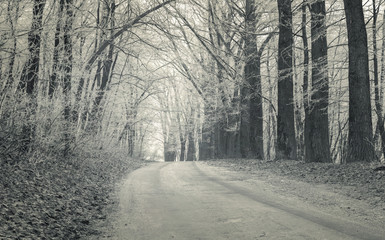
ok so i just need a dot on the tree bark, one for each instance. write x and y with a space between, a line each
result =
360 139
31 69
317 147
286 140
380 90
12 10
55 65
305 86
68 59
13 23
252 116
377 85
30 74
107 63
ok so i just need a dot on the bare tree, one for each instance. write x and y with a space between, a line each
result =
251 113
360 142
31 69
286 140
316 119
68 62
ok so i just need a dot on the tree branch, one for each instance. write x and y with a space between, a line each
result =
106 43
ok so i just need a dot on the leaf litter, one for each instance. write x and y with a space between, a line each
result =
59 198
356 190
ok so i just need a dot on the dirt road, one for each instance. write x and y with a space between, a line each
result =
190 200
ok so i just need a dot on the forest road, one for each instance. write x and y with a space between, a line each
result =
191 200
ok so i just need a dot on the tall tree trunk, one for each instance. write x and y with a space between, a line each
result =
30 74
108 62
286 140
219 44
12 15
317 122
252 115
360 142
68 58
55 65
182 138
31 69
377 86
233 134
244 130
13 23
380 90
191 136
190 147
305 86
271 143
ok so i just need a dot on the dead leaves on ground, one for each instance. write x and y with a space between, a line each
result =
58 199
364 181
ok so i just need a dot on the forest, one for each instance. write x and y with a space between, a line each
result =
87 84
194 79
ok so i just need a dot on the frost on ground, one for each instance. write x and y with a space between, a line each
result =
354 190
47 198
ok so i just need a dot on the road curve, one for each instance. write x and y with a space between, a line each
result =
190 200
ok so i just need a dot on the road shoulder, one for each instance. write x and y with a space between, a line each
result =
350 201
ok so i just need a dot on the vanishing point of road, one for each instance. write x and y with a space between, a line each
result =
191 200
